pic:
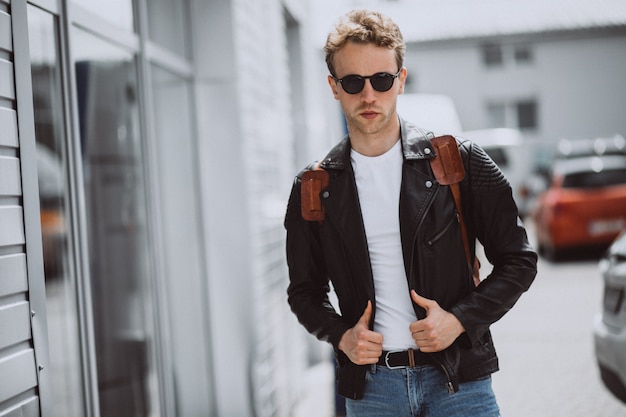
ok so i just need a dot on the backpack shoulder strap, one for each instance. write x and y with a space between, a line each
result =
447 165
313 182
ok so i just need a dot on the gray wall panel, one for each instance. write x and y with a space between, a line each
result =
8 127
7 86
22 336
27 408
14 324
6 41
13 274
10 180
12 226
21 368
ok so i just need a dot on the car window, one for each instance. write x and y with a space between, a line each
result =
595 179
619 246
498 155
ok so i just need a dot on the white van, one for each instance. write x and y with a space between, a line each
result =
435 112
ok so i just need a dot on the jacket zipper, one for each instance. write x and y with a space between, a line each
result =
413 244
450 384
438 235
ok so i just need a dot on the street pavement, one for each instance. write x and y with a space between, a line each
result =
545 345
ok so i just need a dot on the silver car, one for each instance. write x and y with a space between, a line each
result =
610 325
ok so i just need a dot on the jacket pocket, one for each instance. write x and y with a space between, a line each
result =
431 241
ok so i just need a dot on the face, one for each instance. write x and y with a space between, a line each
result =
369 113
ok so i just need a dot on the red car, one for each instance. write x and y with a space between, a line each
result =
583 206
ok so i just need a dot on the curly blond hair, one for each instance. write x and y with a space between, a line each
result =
364 26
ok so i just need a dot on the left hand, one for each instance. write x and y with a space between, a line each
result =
438 330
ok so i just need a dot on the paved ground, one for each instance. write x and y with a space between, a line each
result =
546 349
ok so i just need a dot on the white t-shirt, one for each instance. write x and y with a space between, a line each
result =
378 182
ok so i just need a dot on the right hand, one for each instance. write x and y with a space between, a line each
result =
360 344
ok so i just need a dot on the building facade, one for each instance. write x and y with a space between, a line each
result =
553 69
147 149
550 85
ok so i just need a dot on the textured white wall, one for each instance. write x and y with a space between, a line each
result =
248 122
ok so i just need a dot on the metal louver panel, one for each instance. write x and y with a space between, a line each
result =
22 305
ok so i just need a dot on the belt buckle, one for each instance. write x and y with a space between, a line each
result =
387 359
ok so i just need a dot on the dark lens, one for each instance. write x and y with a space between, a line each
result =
382 81
352 84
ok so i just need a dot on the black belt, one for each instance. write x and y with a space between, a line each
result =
404 358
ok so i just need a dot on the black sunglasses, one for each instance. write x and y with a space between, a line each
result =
381 81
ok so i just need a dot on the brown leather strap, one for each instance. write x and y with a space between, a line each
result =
448 169
313 182
456 194
447 164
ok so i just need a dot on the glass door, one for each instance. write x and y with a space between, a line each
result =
116 212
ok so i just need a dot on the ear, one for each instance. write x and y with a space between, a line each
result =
402 78
333 86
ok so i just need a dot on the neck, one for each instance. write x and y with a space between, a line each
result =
376 143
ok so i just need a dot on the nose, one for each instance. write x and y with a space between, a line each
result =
368 94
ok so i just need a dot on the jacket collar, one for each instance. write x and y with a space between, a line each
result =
415 145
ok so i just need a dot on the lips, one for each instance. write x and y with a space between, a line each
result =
369 114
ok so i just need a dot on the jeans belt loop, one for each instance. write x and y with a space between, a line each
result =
411 358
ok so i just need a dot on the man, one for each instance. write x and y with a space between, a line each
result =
412 336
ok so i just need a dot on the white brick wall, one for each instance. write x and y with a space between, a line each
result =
281 349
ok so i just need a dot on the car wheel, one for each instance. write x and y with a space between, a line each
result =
613 383
552 253
548 252
541 249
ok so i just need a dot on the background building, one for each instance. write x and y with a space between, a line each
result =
544 70
552 69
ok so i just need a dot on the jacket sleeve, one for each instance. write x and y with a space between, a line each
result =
493 219
308 288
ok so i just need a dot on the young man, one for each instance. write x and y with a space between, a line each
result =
412 335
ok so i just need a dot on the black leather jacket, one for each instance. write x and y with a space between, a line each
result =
433 252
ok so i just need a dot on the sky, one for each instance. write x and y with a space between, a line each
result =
428 20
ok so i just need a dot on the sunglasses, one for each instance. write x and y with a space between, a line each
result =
353 84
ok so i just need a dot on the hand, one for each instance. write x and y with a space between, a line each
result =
438 330
360 344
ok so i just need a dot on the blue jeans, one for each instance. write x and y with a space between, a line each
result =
421 392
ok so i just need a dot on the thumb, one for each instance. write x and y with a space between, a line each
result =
367 314
419 300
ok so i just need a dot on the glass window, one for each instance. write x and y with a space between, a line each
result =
527 114
181 239
492 55
166 25
498 155
591 179
115 12
523 54
63 339
108 108
496 112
